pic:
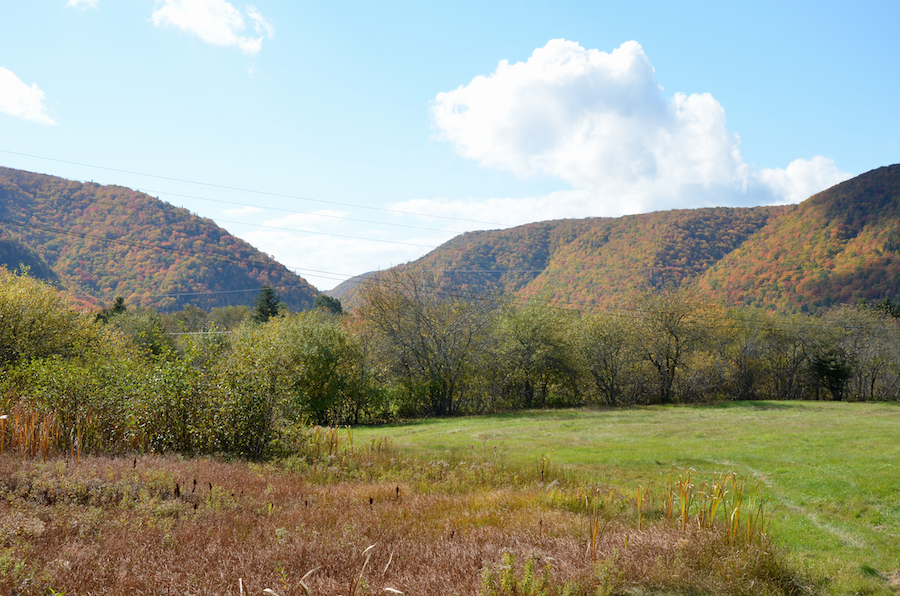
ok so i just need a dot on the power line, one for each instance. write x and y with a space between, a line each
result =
308 232
365 279
332 235
248 262
252 191
293 212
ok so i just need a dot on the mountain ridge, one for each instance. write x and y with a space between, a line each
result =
840 245
102 241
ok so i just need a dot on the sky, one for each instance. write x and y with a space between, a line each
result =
343 138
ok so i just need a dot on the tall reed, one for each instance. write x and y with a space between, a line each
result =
725 499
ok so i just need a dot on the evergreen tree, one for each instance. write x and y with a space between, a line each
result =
266 305
118 306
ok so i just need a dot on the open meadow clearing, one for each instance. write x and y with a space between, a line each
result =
831 470
626 501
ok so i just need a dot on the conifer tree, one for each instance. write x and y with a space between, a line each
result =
266 305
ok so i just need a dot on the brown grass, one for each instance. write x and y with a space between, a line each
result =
163 525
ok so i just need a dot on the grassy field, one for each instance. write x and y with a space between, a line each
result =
547 503
831 470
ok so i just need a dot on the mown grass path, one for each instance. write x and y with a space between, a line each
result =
832 470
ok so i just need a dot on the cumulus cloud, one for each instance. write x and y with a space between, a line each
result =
216 22
22 101
600 123
802 178
83 4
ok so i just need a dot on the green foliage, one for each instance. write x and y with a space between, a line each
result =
673 324
427 341
266 305
173 413
145 328
65 365
610 357
534 353
411 350
506 580
36 322
228 317
332 305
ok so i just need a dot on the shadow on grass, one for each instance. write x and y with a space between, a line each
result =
761 405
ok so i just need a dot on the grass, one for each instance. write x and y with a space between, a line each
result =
756 498
831 470
366 521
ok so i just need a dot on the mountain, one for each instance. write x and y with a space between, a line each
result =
586 262
98 242
839 246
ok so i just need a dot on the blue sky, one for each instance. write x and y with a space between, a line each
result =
347 137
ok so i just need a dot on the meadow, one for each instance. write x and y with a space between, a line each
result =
829 470
621 501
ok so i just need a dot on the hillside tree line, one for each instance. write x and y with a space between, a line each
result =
248 381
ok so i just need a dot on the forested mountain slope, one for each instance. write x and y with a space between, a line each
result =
840 245
99 242
586 262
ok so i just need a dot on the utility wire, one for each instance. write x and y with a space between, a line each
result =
250 190
293 212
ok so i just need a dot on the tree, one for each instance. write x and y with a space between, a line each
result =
428 340
609 354
833 371
672 323
35 321
118 306
535 349
145 328
228 317
743 350
332 305
861 356
788 342
266 305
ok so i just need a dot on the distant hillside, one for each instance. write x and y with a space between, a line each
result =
838 246
587 262
99 242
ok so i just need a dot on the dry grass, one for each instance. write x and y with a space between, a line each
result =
355 524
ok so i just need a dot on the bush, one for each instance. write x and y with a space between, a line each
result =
35 321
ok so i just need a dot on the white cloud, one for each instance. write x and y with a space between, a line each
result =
21 101
260 24
216 22
599 122
325 260
324 219
83 4
802 178
248 210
